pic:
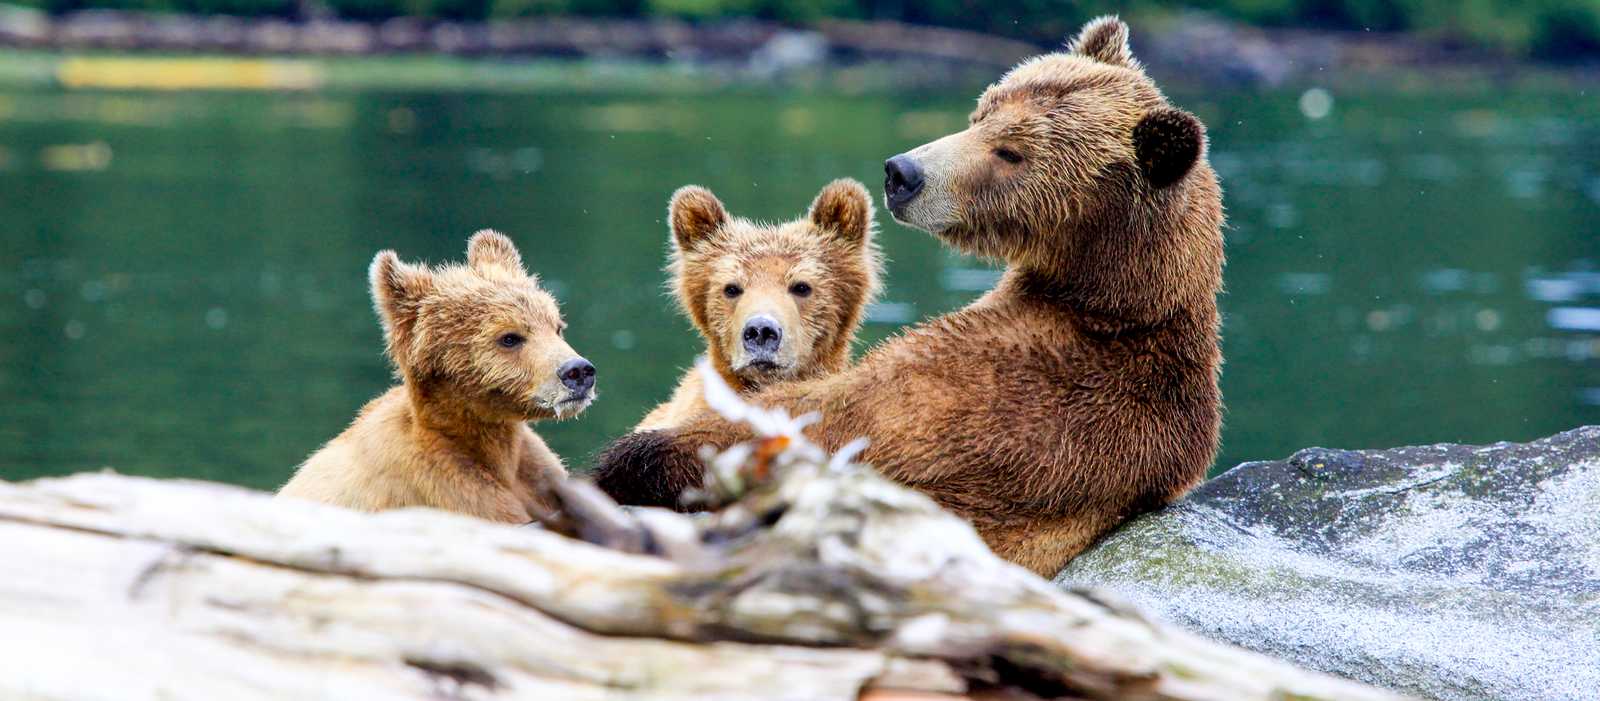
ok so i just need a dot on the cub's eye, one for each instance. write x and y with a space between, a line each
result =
1008 155
511 340
732 290
800 289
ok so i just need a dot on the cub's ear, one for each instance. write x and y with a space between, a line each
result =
491 254
1104 39
397 292
843 209
1167 143
695 215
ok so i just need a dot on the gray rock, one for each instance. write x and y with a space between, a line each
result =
1449 571
23 25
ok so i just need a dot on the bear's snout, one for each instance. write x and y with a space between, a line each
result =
902 181
577 375
763 336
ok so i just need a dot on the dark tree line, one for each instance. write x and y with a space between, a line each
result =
1549 29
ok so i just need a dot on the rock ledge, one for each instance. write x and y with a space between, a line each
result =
1450 571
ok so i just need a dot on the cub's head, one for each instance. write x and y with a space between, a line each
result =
1072 165
775 302
482 337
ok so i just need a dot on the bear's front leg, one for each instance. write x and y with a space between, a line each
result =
653 468
648 468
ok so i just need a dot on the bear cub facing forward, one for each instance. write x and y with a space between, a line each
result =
480 353
775 303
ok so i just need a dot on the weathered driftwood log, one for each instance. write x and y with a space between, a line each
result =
814 579
822 585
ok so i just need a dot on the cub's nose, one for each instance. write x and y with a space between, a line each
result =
762 336
577 374
902 180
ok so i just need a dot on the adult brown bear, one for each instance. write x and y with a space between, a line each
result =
1083 388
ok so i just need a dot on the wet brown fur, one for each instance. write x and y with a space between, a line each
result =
1083 388
831 249
454 434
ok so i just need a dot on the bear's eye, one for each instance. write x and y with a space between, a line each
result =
1008 155
732 290
800 289
511 340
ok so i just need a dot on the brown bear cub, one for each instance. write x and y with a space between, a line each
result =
1082 389
479 352
774 303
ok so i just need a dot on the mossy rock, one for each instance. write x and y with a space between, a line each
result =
1447 571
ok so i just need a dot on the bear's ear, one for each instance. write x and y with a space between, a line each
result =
492 254
843 209
1104 39
397 292
1167 143
695 215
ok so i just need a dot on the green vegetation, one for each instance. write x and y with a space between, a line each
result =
1548 29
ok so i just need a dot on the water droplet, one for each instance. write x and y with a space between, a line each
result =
1282 215
402 120
622 339
527 159
1316 103
1305 283
1574 318
74 330
891 312
217 318
92 156
969 279
35 298
271 283
1487 319
1378 320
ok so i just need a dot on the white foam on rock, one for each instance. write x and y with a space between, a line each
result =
1464 582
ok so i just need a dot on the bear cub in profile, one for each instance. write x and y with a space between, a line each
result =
774 302
479 351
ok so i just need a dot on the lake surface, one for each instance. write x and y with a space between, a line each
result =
182 280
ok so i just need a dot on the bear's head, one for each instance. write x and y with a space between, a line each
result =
775 302
1076 171
483 338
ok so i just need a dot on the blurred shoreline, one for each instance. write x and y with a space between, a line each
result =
1195 50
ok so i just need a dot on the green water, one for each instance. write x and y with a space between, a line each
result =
182 277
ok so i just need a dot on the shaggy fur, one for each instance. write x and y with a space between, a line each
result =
454 435
830 251
1083 388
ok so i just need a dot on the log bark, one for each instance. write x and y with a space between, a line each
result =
823 584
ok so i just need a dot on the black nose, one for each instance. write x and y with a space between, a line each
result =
762 336
902 180
577 374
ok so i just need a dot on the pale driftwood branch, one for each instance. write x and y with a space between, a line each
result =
820 586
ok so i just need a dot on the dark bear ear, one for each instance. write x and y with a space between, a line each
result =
1167 143
491 253
397 292
695 214
843 209
1104 39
